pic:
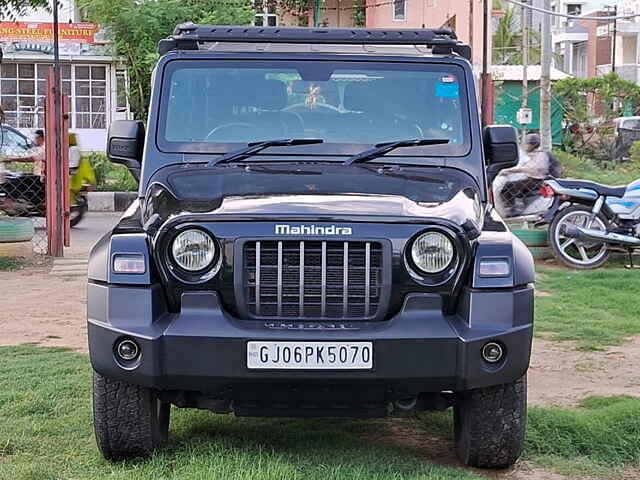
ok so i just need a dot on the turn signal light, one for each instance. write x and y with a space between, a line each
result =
494 267
130 264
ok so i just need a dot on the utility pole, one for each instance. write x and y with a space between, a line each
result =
58 241
525 64
545 80
485 80
615 36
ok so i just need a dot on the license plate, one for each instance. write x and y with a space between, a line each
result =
310 355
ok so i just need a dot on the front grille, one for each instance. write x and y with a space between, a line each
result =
313 279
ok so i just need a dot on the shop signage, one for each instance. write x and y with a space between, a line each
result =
43 32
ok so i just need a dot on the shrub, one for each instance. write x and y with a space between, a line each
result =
111 177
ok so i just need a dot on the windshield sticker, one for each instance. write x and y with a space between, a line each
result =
447 87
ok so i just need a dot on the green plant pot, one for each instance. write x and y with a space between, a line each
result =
16 230
532 237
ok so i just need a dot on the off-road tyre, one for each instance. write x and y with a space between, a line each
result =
129 421
490 423
555 248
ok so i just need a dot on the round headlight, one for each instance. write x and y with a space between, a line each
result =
432 252
193 250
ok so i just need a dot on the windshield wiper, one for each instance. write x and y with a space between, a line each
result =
382 148
253 148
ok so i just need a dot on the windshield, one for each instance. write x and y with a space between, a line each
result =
215 107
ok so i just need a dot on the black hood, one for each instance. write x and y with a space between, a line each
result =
314 192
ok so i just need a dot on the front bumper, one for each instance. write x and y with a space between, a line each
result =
203 348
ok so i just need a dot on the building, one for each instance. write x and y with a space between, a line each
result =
92 78
508 97
587 48
463 16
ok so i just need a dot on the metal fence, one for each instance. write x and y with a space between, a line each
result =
22 194
520 196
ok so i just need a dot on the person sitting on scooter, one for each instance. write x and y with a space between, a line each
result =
538 166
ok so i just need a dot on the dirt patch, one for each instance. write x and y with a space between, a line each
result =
41 309
562 376
404 433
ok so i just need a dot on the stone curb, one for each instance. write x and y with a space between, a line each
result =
110 201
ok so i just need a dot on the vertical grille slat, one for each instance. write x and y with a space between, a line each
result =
313 279
279 284
345 279
301 281
367 278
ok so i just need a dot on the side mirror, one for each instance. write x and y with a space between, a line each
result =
125 143
500 149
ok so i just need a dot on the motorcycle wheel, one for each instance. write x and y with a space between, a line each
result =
574 253
77 211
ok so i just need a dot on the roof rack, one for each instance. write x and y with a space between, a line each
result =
188 36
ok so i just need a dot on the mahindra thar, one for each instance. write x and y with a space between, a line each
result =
313 236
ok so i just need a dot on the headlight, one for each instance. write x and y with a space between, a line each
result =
193 250
432 252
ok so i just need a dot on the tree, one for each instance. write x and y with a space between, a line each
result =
586 99
136 26
507 40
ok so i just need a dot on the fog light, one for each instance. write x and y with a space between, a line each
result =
492 352
127 350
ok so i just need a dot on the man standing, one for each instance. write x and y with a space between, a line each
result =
31 186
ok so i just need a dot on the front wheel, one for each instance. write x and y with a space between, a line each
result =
573 252
129 420
78 210
489 424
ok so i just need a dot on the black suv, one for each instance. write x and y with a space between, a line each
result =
313 237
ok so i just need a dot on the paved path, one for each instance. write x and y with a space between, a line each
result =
83 237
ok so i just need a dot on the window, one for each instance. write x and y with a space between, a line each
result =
23 87
574 9
399 9
266 15
90 96
122 100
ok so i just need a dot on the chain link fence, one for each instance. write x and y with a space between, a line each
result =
519 196
22 194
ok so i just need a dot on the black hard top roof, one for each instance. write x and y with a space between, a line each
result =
189 36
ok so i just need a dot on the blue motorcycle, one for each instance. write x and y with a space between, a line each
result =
588 220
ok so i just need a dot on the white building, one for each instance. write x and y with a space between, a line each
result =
92 77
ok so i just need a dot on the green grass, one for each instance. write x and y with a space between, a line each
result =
602 436
594 308
10 263
46 433
586 169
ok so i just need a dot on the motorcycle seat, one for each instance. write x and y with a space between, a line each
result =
606 190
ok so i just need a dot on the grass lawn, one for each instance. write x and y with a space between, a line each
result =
10 263
595 308
46 434
586 169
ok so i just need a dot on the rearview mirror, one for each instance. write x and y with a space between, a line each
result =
500 148
125 143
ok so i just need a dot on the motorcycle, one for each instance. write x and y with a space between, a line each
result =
588 220
23 195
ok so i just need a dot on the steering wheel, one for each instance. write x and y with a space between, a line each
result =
238 125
